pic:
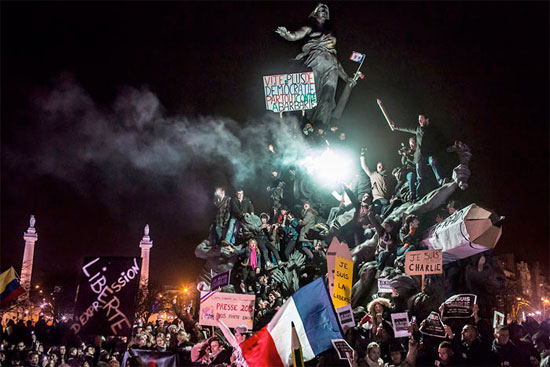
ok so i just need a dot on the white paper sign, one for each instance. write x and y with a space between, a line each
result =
400 323
345 316
384 286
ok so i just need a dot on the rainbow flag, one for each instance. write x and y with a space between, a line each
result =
10 288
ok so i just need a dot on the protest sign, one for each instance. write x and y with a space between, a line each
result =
220 280
343 278
345 316
423 262
342 348
290 92
465 233
498 319
233 309
107 293
384 286
400 323
459 306
340 273
152 357
433 326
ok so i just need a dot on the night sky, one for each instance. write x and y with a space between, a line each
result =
112 115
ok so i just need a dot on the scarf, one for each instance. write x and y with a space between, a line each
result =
253 260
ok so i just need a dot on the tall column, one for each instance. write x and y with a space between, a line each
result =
30 237
145 246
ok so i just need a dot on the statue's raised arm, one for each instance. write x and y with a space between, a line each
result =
293 36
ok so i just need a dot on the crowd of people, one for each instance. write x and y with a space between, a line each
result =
470 342
281 249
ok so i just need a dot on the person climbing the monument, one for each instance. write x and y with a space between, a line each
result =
424 155
222 204
319 54
289 229
408 168
241 207
307 222
380 181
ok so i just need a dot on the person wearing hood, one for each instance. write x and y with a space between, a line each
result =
380 181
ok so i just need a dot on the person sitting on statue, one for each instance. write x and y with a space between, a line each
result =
387 244
241 207
381 184
319 54
251 264
424 154
410 235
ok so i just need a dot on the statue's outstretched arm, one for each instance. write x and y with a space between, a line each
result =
293 36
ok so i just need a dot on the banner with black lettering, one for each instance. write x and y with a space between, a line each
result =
107 293
459 306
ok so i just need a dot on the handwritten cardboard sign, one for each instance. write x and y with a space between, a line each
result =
343 282
290 92
233 309
106 300
423 262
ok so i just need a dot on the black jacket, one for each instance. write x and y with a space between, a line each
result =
238 208
426 141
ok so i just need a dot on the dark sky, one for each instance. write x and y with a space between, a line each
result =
78 79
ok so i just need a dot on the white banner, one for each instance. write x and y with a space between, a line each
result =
233 309
290 92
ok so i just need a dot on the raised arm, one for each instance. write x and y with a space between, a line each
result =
364 162
293 36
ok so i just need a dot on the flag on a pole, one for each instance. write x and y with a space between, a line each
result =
297 354
357 56
311 311
10 288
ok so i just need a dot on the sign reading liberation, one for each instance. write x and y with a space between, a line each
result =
290 92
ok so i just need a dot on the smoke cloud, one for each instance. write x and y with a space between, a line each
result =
133 144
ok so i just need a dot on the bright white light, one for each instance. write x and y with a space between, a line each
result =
328 167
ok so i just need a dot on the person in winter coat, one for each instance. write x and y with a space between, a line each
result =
241 207
222 204
251 263
289 229
308 222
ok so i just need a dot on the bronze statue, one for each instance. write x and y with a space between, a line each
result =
319 54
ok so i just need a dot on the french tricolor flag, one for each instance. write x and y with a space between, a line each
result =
311 310
357 56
